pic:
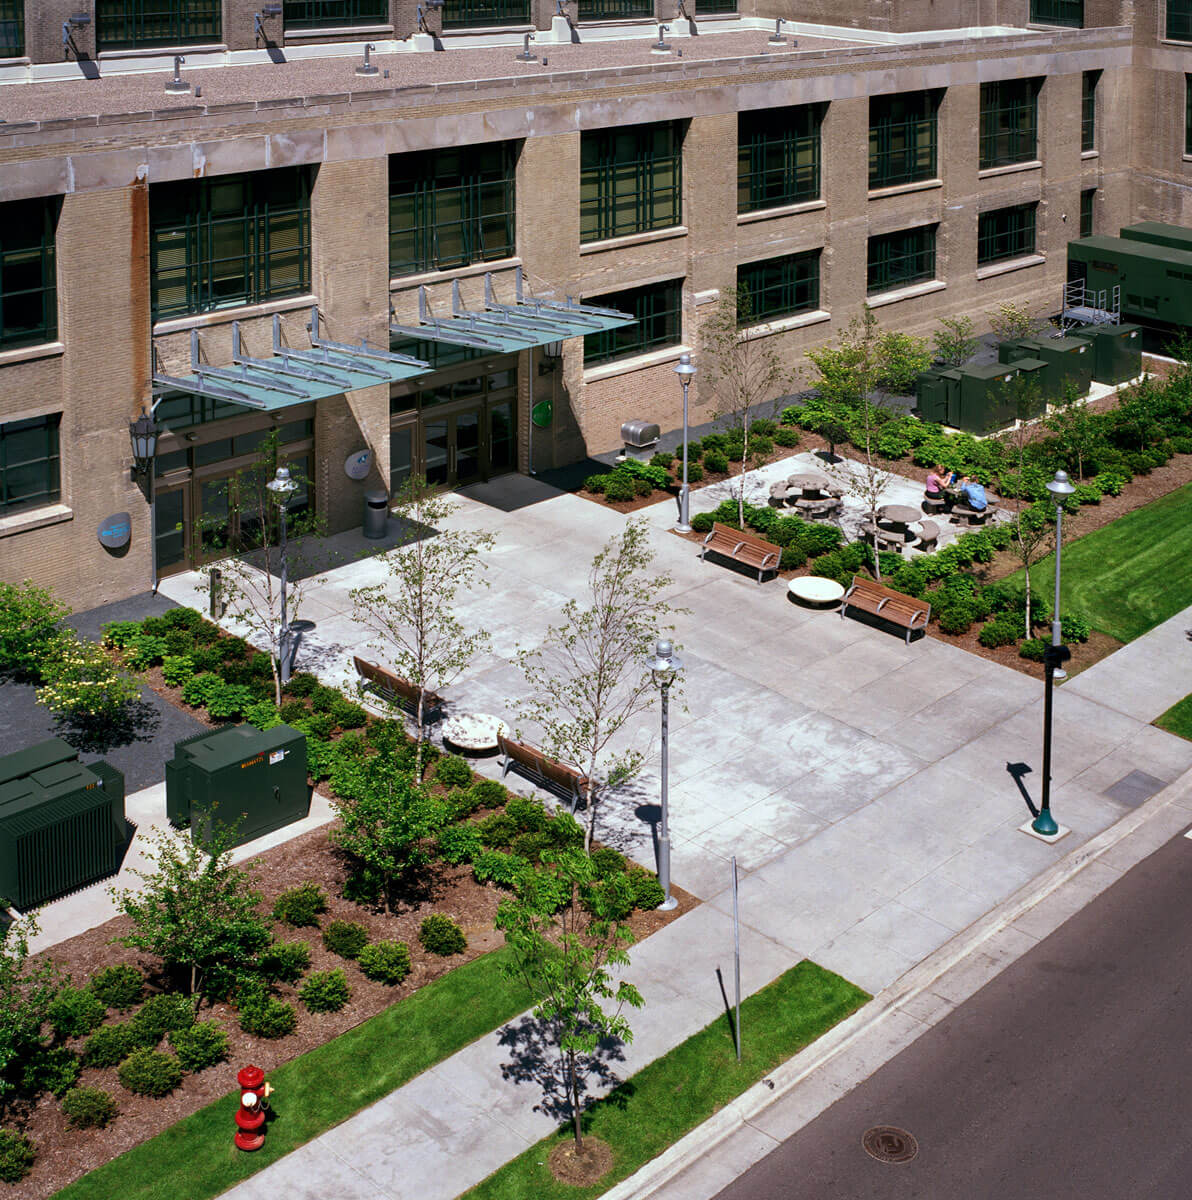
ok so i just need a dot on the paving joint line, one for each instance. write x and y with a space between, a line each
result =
892 1000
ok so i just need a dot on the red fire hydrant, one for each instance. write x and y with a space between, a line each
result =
254 1104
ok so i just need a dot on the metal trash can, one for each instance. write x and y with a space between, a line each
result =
376 513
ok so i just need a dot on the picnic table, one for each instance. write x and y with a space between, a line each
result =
808 483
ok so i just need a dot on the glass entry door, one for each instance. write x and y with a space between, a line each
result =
451 451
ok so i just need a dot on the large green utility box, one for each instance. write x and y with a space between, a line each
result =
986 402
1155 281
1159 234
1117 351
238 776
1070 361
938 395
1033 370
61 823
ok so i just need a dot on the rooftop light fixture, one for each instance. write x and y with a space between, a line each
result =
776 38
661 46
525 55
367 67
177 86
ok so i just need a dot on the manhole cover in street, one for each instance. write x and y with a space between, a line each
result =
887 1143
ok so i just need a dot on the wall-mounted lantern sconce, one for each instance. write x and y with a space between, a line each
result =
143 433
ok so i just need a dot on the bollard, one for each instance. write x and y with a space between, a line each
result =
254 1106
215 593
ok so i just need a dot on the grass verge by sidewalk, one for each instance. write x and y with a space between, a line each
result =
1129 576
1178 718
195 1158
670 1097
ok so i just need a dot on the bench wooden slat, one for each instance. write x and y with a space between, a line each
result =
743 547
539 766
393 687
900 609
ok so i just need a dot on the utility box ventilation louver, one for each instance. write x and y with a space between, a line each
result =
61 823
239 776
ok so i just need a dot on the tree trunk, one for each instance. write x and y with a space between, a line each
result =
590 801
744 468
573 1088
418 746
276 679
1027 587
877 562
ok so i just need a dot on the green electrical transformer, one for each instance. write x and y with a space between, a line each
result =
937 393
61 823
1159 234
241 777
1070 361
1117 351
986 403
1154 281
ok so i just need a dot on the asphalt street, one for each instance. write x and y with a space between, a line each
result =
1066 1076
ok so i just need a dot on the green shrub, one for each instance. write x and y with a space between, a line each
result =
17 1153
263 714
348 715
597 483
200 1046
301 684
386 961
761 444
109 1044
206 659
716 462
956 618
325 991
285 961
118 987
647 891
75 1011
150 1073
460 844
55 1070
497 830
199 689
529 815
144 652
185 618
161 1014
1033 649
345 938
177 669
529 845
293 710
1074 628
564 831
607 862
619 488
787 437
662 459
642 487
88 1108
792 558
228 702
819 539
118 634
1110 483
323 699
319 725
439 934
615 896
495 867
29 620
702 522
300 906
1087 493
232 649
452 770
1000 632
265 1016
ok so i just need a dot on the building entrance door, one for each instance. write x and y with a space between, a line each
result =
451 448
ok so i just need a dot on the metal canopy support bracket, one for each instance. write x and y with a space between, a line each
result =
364 350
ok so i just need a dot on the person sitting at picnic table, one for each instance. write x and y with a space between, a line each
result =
973 494
937 480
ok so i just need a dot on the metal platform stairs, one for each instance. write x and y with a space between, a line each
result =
1084 307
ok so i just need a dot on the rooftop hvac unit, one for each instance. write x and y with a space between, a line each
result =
61 823
246 779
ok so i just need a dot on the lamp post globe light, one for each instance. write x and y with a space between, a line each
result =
282 487
665 667
685 369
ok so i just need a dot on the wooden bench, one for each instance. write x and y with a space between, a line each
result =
398 690
542 769
869 596
743 547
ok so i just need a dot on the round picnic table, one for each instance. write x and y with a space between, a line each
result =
474 733
808 483
812 589
899 514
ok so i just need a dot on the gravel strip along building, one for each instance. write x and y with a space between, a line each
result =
540 224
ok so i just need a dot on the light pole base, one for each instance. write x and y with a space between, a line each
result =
1028 827
668 904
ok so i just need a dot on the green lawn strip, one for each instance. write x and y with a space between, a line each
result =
676 1092
195 1158
1178 718
1130 575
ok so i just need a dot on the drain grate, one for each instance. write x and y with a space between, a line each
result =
1131 790
889 1144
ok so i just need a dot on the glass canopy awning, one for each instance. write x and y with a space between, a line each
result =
503 328
291 376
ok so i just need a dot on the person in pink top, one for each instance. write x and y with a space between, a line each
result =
937 479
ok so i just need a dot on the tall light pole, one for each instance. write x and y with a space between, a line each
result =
665 667
282 487
685 369
1060 490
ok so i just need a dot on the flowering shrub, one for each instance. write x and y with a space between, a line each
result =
82 684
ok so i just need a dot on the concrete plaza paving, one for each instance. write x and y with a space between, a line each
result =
870 791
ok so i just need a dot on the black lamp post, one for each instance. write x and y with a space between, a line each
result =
1044 824
685 370
665 667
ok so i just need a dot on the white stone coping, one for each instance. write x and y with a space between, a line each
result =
784 210
35 518
906 293
1011 264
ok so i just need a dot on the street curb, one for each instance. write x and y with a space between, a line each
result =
753 1102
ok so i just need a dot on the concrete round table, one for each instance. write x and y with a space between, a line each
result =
812 589
899 514
808 483
473 733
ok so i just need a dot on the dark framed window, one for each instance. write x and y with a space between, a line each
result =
29 470
902 138
706 8
902 258
127 24
611 10
1058 12
778 156
1009 122
1088 110
630 180
475 14
448 208
328 14
230 240
28 272
1179 20
1088 198
12 28
780 287
1005 233
659 312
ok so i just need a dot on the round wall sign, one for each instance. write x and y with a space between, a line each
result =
115 531
358 464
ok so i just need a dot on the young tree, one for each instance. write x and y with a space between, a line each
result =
954 341
901 359
741 371
588 677
26 993
1010 322
1075 429
195 910
251 586
562 927
412 614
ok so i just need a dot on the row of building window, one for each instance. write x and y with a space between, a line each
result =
134 24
